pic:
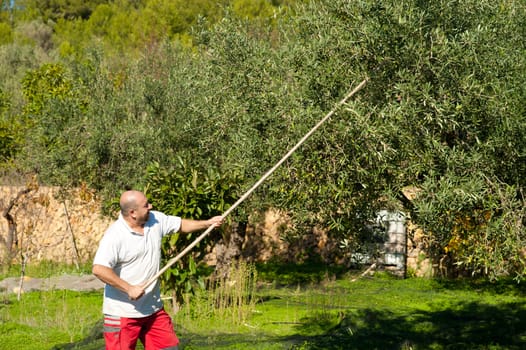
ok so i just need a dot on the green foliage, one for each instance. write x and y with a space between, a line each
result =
14 61
52 114
125 28
428 118
37 34
40 85
179 16
252 9
4 101
54 10
443 111
6 33
7 138
478 226
10 139
187 192
191 194
448 94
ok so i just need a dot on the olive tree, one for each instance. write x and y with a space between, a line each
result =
442 113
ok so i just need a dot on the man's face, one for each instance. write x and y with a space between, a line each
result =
143 210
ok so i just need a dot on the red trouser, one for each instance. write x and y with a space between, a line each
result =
156 332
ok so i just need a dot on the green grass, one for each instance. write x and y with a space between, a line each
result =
44 269
379 312
41 320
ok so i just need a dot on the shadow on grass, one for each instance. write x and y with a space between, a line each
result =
94 340
312 271
501 286
460 326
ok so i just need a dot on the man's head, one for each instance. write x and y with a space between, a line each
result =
135 207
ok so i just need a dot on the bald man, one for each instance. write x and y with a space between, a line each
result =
129 255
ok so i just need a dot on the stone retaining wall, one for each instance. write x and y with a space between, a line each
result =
45 232
49 228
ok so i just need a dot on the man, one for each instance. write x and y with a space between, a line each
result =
129 255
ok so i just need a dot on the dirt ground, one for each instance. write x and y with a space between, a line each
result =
70 282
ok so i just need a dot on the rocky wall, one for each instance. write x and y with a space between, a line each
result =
49 224
66 227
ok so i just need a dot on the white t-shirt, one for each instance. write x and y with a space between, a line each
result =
135 258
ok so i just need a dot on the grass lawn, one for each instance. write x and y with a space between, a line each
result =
378 312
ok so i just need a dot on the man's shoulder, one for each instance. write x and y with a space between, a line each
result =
118 227
165 223
157 213
160 216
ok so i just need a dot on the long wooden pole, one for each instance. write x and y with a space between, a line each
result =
256 185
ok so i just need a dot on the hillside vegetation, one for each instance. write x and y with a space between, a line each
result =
206 96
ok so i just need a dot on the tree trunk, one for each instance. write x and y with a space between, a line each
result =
229 249
11 239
